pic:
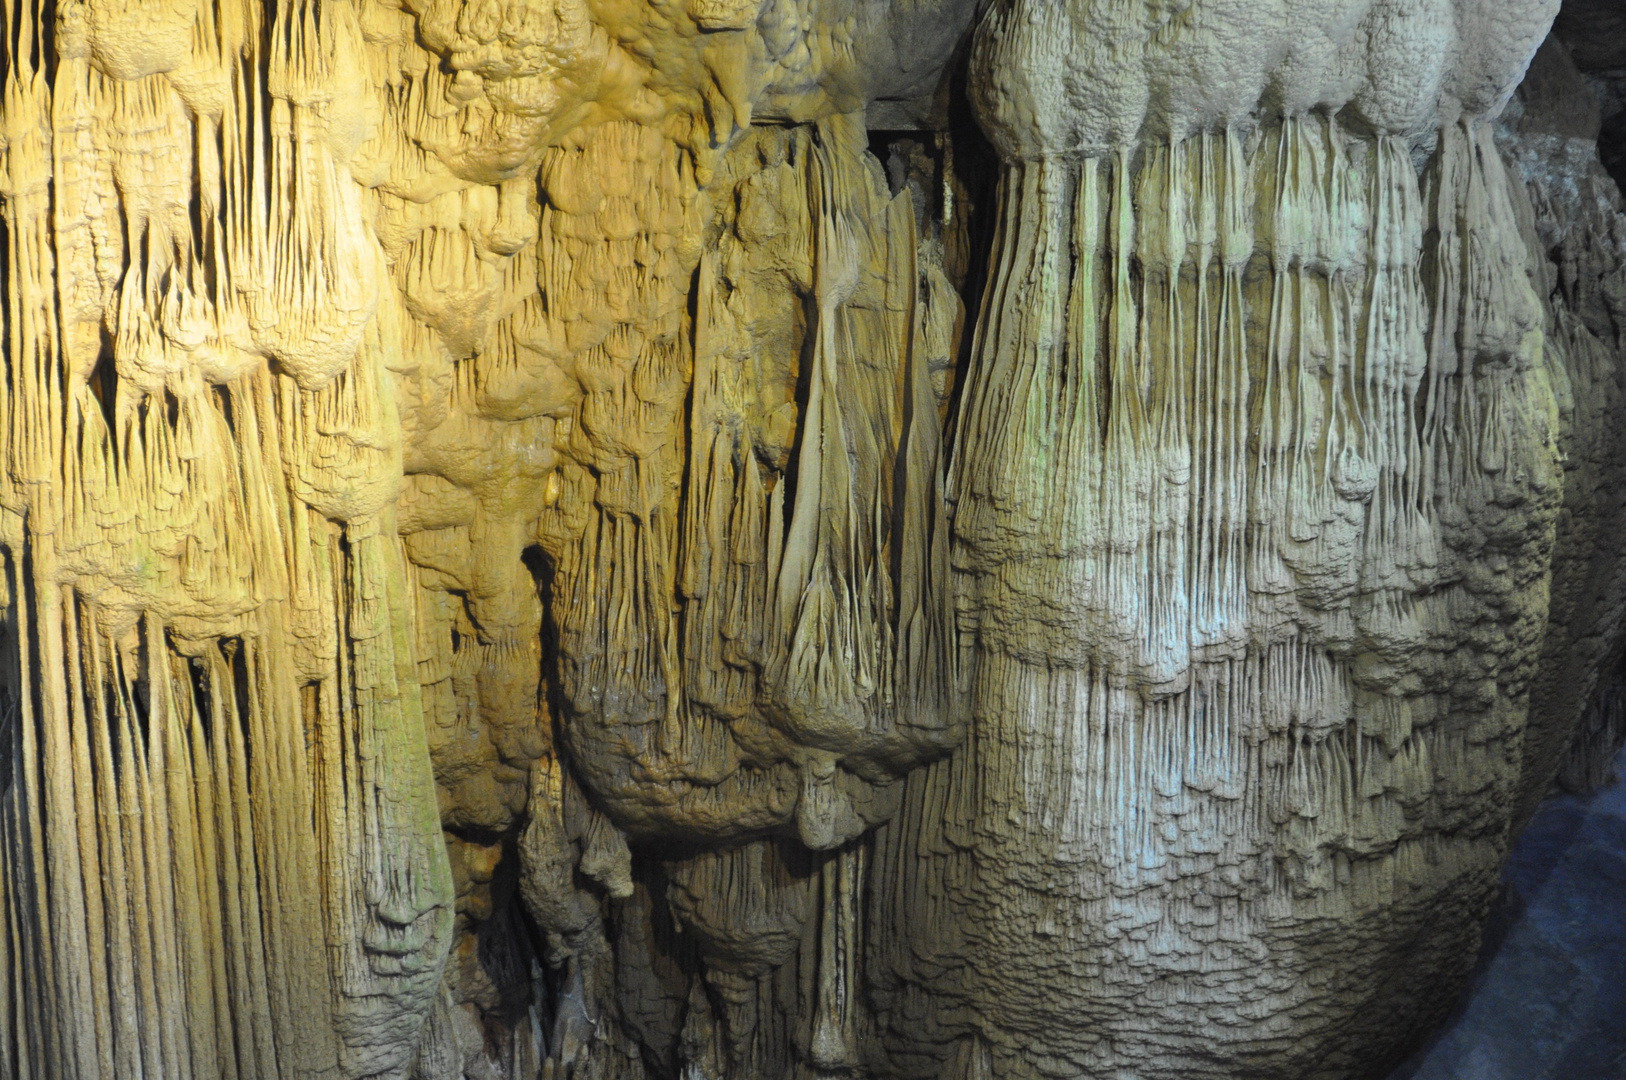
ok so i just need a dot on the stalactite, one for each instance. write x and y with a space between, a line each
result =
516 564
160 575
1232 751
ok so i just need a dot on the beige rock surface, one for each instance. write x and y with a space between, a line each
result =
547 538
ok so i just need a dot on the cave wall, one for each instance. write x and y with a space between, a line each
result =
811 538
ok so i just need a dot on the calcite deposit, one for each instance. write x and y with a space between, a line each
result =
823 539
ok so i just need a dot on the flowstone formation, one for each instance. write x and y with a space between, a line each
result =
806 538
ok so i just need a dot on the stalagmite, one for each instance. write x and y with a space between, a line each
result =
544 538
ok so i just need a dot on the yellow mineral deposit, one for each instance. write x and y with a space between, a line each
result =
624 539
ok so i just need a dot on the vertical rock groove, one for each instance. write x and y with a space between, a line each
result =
1231 690
529 549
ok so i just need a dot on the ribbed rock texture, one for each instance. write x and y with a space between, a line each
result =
794 538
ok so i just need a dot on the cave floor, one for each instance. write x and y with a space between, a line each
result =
1548 995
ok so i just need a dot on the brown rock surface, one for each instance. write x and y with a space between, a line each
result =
565 538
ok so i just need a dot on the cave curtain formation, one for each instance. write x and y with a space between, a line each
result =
808 539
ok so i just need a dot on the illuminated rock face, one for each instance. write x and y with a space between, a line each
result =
536 545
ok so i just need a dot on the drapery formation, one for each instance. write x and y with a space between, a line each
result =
565 539
1290 429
